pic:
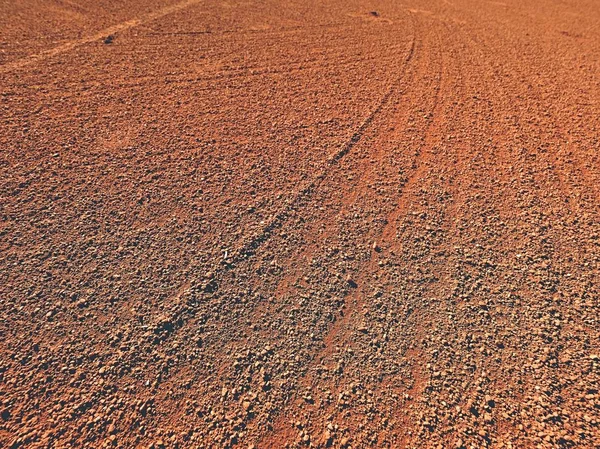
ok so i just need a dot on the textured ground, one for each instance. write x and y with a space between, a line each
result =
300 224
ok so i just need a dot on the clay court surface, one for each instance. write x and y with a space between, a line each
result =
289 224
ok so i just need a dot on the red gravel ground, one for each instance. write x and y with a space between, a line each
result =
276 223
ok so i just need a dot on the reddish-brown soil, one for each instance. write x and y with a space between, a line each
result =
300 224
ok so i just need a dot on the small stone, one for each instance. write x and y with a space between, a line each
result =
351 282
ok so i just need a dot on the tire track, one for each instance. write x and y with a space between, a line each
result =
562 181
421 161
550 121
349 197
248 249
32 59
340 332
208 80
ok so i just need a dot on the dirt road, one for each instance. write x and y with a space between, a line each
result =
300 224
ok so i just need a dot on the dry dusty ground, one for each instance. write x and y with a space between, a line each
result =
280 223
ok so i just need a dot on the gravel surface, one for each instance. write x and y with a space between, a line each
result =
293 223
